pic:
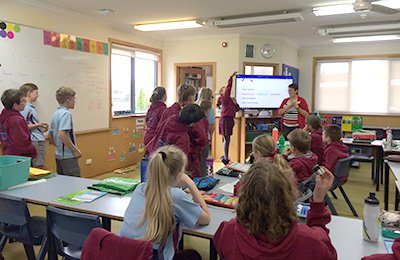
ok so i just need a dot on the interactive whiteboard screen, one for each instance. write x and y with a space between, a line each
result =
261 92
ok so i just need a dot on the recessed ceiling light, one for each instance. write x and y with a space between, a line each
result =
105 12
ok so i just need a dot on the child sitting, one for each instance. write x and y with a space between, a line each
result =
159 207
299 156
317 145
335 149
267 227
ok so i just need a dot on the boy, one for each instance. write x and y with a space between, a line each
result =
14 131
299 156
36 128
62 135
335 149
317 145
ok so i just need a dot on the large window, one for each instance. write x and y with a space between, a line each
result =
134 75
358 86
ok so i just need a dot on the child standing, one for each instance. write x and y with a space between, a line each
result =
317 145
159 207
36 127
299 156
154 113
335 149
267 228
226 123
14 131
62 134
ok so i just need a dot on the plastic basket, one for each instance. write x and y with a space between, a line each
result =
13 170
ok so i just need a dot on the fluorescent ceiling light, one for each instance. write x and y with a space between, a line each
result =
256 20
333 9
367 38
359 29
167 25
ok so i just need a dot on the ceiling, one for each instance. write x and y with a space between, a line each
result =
128 12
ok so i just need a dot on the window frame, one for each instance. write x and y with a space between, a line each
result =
139 47
274 66
347 58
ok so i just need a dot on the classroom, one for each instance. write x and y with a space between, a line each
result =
97 49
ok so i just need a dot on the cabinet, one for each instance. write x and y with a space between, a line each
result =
192 76
234 147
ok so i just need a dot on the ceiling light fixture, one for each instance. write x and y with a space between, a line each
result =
174 25
105 12
256 20
367 38
366 29
333 9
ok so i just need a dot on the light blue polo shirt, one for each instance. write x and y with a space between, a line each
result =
32 117
211 120
186 212
62 120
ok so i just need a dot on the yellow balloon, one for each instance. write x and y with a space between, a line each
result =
10 27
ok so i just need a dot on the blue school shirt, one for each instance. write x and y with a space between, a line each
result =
211 121
62 120
31 117
186 212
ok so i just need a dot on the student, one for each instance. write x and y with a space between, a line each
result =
317 145
62 134
175 129
267 228
264 148
14 131
201 155
36 127
159 207
299 156
394 256
293 110
226 122
335 149
154 113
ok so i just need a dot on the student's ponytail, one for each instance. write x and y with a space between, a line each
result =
184 92
158 94
285 168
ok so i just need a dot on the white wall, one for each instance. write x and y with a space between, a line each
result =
307 54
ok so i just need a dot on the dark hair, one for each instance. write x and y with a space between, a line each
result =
314 122
294 86
300 140
11 97
334 132
158 94
27 87
190 114
185 91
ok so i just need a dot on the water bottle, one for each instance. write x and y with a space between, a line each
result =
143 168
389 136
371 218
281 142
275 134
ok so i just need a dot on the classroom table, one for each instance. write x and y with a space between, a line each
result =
346 233
395 168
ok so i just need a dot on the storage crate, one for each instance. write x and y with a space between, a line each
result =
13 170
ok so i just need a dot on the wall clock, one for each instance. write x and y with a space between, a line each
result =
267 51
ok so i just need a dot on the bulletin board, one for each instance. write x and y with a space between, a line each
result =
291 71
51 60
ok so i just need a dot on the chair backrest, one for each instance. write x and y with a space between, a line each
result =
70 228
343 166
15 219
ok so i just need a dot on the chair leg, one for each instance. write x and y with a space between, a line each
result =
330 205
30 253
43 249
348 201
373 171
3 242
333 194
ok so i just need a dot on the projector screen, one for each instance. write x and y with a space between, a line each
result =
261 92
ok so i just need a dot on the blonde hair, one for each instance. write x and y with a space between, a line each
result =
272 213
165 164
205 94
64 93
185 91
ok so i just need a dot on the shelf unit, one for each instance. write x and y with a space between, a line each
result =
192 76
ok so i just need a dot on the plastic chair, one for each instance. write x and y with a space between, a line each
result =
69 230
342 169
17 224
363 154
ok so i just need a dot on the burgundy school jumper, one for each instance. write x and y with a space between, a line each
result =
153 117
394 256
229 109
302 165
15 135
317 145
303 105
198 140
333 153
303 242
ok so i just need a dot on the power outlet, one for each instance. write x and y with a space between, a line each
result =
88 161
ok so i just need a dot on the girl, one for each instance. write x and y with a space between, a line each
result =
154 113
226 123
264 148
267 228
159 207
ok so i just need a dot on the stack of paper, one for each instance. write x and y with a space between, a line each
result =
35 174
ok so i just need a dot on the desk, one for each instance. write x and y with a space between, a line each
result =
395 167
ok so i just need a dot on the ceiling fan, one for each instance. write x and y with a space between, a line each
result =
374 6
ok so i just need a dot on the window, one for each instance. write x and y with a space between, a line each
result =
134 75
260 68
359 86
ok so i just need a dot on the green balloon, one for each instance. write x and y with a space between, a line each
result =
17 28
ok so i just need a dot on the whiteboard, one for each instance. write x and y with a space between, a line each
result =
25 58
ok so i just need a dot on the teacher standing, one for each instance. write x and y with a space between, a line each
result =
293 110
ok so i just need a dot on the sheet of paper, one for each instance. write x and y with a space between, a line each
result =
228 188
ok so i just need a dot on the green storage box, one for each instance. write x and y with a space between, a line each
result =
13 170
